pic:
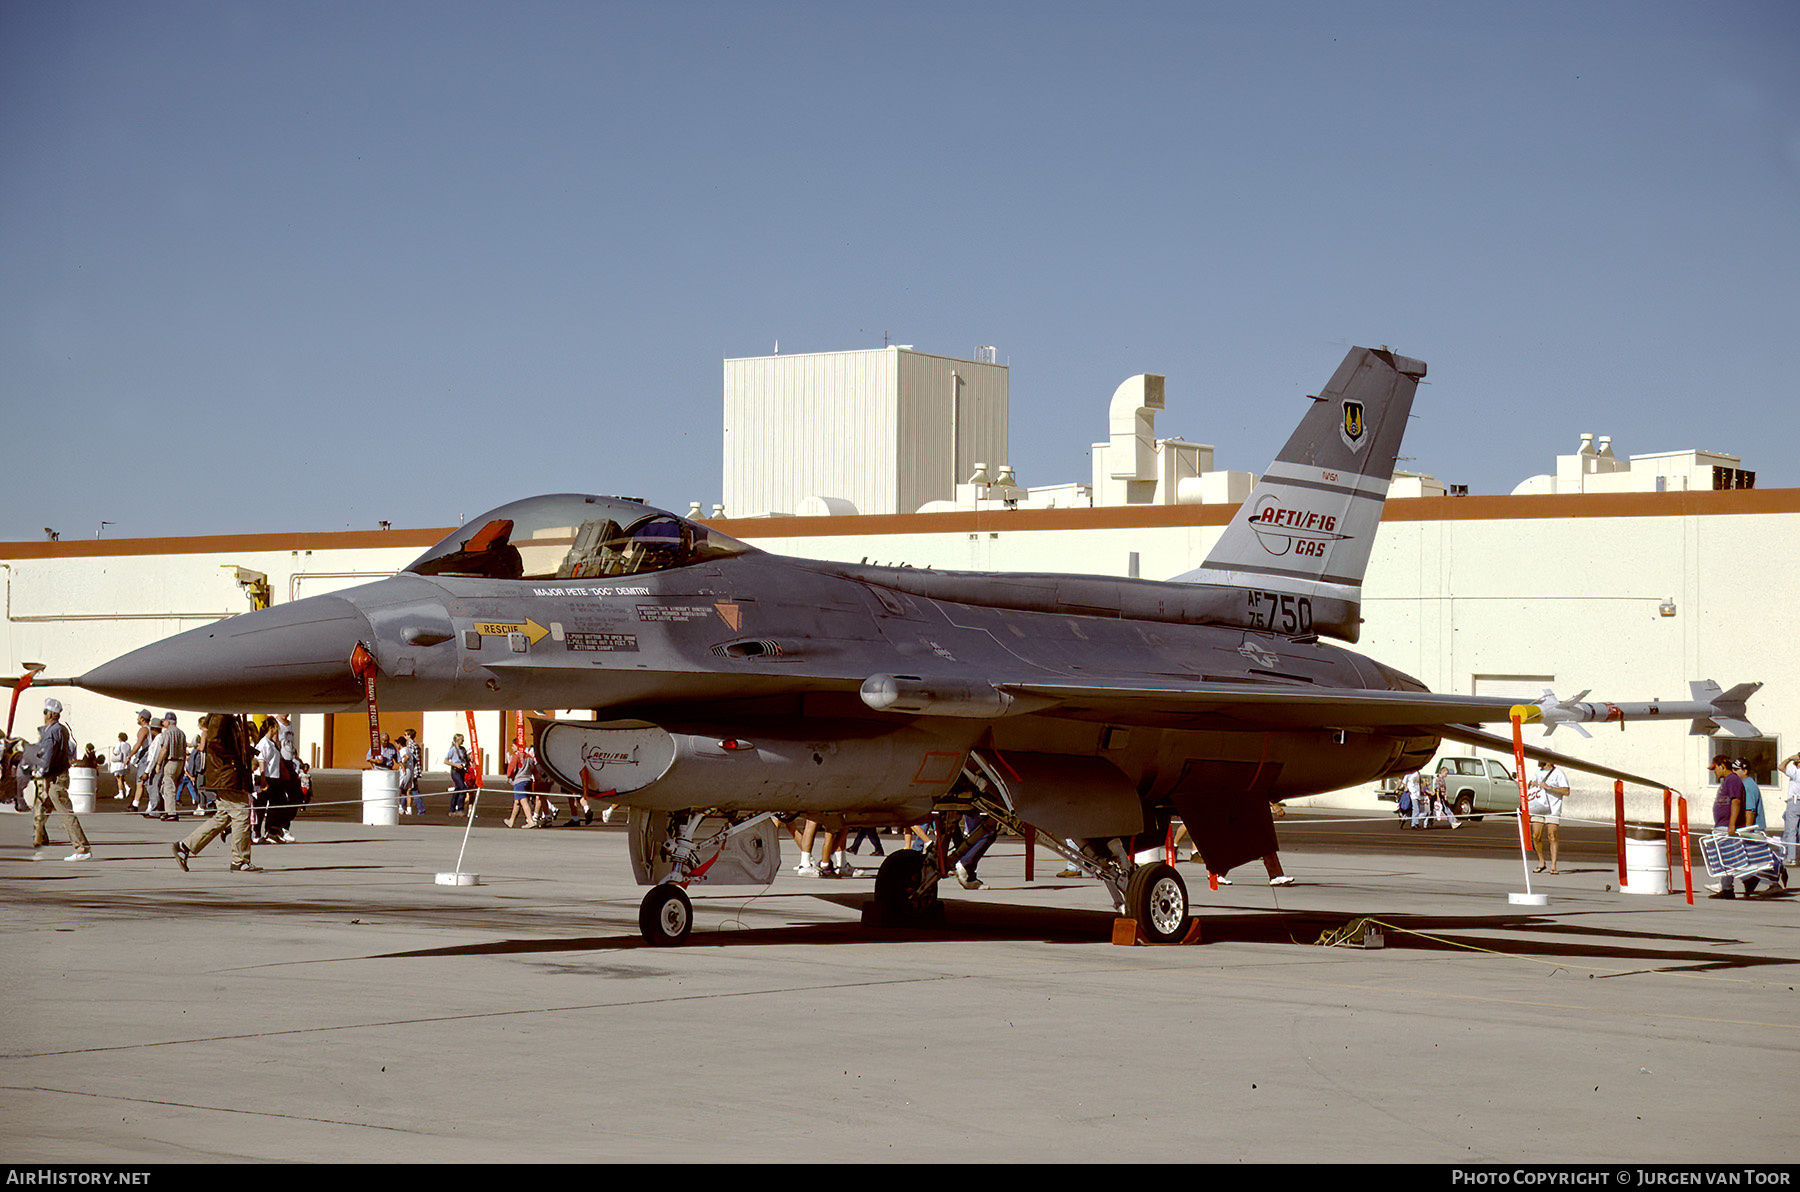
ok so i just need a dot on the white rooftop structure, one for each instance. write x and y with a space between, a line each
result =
1594 469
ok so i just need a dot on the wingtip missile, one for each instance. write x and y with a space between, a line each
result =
1710 711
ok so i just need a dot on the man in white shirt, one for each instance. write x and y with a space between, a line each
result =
1790 815
1421 799
1413 789
1549 789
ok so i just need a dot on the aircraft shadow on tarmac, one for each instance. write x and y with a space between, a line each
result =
993 921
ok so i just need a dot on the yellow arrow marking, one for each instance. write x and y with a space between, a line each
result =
530 628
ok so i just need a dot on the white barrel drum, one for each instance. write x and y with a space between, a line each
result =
81 789
381 797
1646 864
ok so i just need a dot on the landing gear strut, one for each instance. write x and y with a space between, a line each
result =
1152 894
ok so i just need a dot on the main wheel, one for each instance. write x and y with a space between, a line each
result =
904 890
666 915
1157 898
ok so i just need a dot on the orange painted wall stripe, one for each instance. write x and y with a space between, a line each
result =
1735 502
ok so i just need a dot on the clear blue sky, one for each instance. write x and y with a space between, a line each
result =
279 266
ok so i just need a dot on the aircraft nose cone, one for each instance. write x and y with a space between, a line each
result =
291 657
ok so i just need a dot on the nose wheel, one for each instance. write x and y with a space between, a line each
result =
666 915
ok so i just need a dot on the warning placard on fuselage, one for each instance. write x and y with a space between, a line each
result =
600 641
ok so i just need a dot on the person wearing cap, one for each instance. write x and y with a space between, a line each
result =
55 754
168 757
1728 815
1753 800
1755 817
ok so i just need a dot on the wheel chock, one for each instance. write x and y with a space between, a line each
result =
1126 933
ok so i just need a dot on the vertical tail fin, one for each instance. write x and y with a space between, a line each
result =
1306 531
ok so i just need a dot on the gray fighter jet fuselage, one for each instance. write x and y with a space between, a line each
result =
728 682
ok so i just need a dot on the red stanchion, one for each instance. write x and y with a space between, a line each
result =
1519 712
1687 861
1519 768
474 749
1030 851
1619 824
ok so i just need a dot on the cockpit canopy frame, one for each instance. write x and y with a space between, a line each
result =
574 536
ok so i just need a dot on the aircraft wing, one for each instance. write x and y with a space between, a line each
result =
1250 706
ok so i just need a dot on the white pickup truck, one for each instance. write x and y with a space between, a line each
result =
1471 784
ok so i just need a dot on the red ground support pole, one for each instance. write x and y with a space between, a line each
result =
1619 824
1687 862
474 749
1524 795
1030 851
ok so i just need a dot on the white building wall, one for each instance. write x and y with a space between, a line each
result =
818 425
72 608
952 414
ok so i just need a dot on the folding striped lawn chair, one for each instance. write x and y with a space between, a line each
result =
1736 856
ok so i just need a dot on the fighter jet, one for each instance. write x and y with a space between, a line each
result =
729 685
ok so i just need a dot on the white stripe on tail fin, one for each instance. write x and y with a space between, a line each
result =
1306 531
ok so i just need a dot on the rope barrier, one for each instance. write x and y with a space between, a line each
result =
1355 930
464 790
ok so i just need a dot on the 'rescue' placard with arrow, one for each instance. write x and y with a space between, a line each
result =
528 627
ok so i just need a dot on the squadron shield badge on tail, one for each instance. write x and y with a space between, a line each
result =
1351 429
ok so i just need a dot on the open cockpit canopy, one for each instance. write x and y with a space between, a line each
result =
572 536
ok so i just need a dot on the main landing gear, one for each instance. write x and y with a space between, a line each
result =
1157 898
1152 893
906 891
